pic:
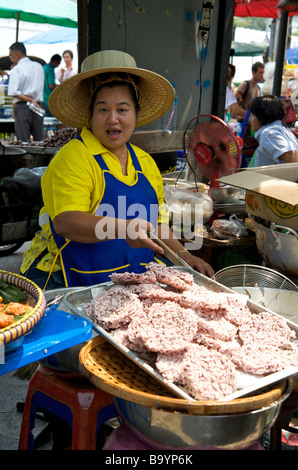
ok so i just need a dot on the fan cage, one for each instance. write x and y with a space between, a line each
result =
215 139
245 275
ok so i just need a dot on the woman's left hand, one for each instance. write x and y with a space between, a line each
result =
198 264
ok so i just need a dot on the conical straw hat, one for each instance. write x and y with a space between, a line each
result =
70 101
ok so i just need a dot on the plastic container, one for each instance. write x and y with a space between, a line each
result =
180 165
36 109
5 102
238 129
169 120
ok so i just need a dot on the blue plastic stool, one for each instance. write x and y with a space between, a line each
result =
70 397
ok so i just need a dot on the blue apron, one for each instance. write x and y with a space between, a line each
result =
86 264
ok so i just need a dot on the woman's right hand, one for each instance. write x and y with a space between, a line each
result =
138 234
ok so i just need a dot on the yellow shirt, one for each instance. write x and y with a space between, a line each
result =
74 181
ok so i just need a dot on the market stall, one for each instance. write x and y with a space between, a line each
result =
154 412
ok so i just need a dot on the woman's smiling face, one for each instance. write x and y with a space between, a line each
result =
114 116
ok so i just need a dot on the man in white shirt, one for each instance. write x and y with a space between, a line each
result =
26 82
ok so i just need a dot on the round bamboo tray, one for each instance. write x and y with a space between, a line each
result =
109 370
37 300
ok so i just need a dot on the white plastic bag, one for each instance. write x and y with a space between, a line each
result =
188 204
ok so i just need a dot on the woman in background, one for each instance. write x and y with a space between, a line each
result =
68 70
277 144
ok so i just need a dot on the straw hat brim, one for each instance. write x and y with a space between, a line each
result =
69 102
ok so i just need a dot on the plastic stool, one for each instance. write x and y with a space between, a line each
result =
70 397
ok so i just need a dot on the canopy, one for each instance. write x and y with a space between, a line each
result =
57 12
256 8
288 5
292 56
242 49
54 36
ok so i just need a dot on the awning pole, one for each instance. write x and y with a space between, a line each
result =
280 53
17 30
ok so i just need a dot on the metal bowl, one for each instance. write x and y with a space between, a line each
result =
12 158
278 246
228 195
183 430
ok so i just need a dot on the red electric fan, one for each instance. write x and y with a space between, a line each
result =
211 149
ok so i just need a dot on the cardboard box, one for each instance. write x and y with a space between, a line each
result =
271 192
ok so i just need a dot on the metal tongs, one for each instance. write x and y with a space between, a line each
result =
170 254
53 304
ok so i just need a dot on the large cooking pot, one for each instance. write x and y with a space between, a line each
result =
149 408
278 246
11 158
184 430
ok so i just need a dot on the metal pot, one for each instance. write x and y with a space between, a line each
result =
226 194
278 246
183 430
228 199
11 158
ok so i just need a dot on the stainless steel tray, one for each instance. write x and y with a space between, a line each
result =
38 150
78 300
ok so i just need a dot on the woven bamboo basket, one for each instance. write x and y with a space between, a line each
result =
109 370
36 299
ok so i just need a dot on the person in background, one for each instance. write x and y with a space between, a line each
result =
26 82
249 89
62 73
102 195
277 144
237 112
49 81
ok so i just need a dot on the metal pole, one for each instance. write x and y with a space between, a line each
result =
223 45
18 24
82 32
280 53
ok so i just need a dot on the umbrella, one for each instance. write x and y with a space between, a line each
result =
288 5
57 12
5 62
242 49
263 8
256 8
53 36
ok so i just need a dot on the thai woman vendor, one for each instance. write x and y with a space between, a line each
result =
102 196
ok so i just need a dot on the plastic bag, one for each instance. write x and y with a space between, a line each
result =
224 229
29 177
188 204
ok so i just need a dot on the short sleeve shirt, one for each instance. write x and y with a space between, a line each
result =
26 78
49 79
78 180
274 140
